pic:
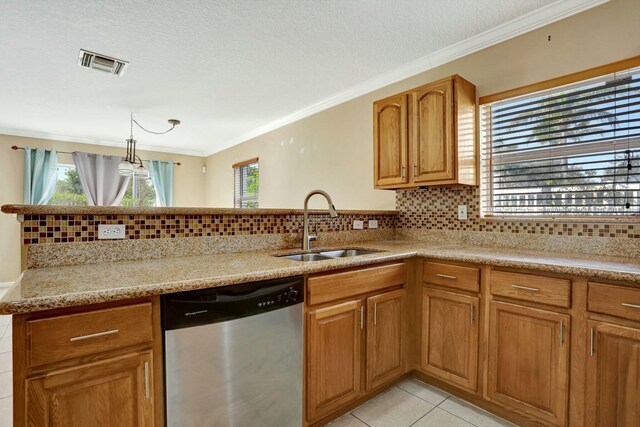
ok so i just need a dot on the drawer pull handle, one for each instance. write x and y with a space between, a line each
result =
561 333
525 288
630 305
446 276
96 335
402 172
472 314
591 342
361 317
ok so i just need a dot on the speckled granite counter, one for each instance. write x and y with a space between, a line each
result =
56 287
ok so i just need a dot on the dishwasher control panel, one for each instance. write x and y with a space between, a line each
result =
290 295
193 308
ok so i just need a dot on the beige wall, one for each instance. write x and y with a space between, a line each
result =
188 187
333 150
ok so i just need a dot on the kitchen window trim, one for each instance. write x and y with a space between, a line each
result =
567 79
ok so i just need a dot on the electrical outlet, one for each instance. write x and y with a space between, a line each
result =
373 223
462 212
358 225
111 231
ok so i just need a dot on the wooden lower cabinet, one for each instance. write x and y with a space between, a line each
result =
528 358
333 357
450 337
385 358
613 375
114 392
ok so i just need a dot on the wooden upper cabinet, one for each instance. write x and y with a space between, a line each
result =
333 357
112 393
385 340
450 337
528 361
440 136
613 376
431 112
390 140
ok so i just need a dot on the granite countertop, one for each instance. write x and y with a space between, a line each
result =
57 287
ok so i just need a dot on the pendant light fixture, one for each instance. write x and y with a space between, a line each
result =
131 164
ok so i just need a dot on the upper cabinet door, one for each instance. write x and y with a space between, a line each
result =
432 138
613 375
390 141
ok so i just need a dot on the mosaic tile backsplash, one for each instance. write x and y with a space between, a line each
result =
41 229
437 209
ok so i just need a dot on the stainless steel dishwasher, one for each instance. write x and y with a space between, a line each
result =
233 355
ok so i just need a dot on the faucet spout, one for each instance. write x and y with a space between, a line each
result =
306 238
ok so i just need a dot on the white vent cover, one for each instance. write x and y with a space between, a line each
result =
97 61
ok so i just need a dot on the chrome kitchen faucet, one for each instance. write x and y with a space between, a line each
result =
306 237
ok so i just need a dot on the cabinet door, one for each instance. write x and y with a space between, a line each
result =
385 341
450 337
432 139
613 376
113 392
528 361
390 141
334 357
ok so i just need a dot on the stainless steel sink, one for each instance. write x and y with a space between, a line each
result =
342 253
320 256
306 257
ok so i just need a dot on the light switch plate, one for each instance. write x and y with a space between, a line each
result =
462 212
358 225
373 223
111 231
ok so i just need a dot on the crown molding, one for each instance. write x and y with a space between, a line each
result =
80 140
523 24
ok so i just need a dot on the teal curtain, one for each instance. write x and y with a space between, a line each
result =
40 175
161 174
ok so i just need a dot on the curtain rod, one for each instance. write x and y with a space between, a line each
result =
15 147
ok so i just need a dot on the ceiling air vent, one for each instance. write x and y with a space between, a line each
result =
96 61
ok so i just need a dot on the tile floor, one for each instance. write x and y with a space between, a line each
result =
6 374
413 403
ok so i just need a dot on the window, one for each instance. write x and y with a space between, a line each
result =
140 192
572 150
245 184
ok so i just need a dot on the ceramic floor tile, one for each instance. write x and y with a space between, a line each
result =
4 320
441 418
6 384
6 362
395 408
6 412
5 344
433 395
472 414
9 331
347 421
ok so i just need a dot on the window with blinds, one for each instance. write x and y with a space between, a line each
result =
568 151
246 184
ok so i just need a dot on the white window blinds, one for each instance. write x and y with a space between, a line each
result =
245 185
568 151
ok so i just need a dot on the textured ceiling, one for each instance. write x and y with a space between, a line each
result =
225 68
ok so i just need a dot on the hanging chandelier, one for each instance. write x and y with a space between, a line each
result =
131 164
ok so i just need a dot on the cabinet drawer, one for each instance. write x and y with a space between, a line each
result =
328 287
614 300
65 337
529 287
453 276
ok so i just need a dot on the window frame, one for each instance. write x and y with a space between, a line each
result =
485 190
238 198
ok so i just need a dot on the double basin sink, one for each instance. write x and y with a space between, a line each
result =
320 256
